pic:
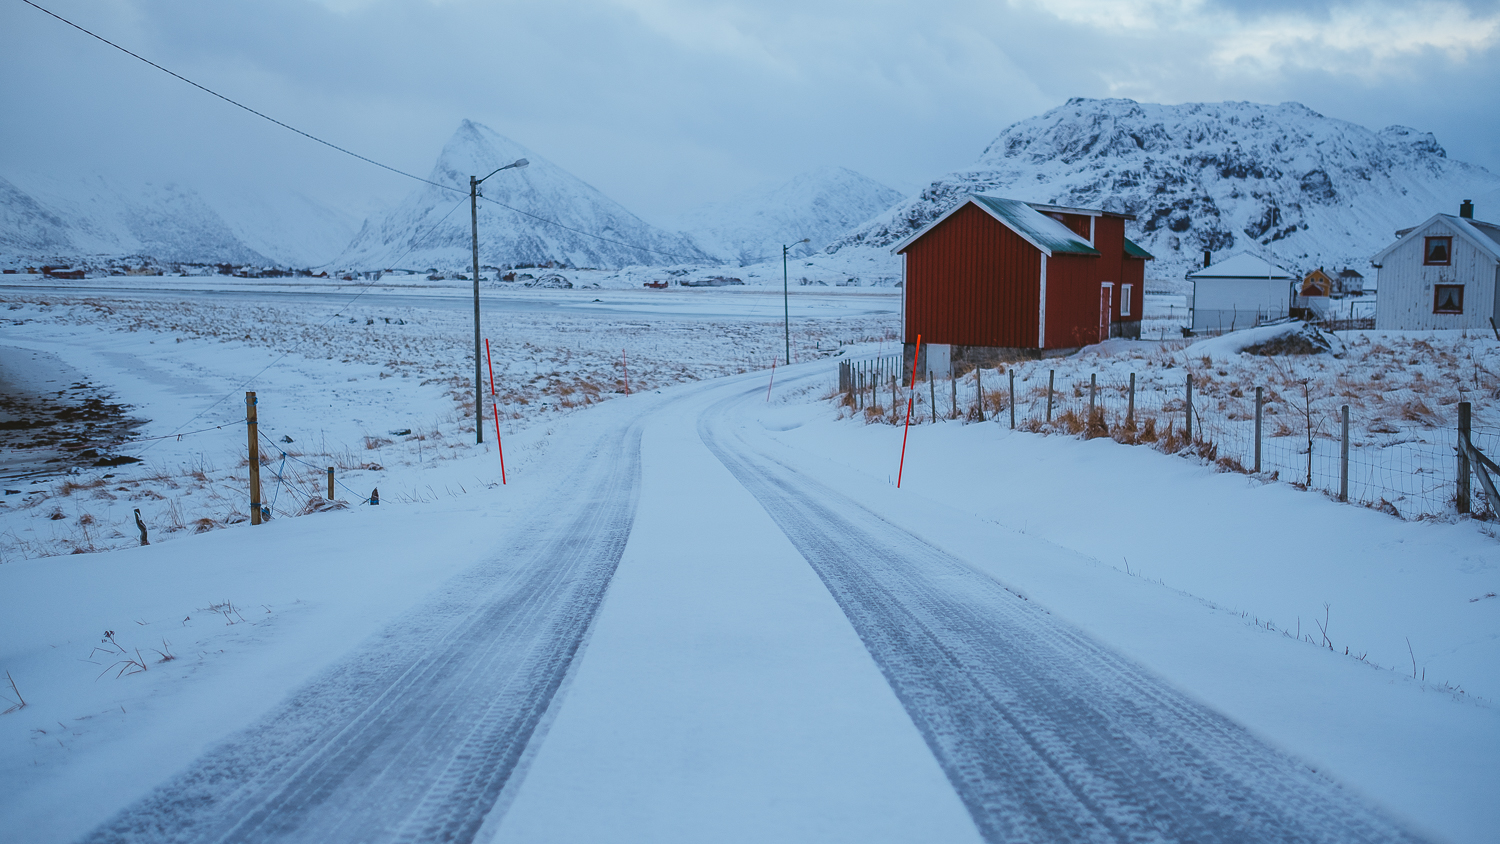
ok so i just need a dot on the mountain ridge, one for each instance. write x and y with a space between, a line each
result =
1282 181
533 215
97 218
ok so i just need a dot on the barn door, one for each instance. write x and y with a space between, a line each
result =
1106 308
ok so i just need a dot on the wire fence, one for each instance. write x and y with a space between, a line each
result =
1410 471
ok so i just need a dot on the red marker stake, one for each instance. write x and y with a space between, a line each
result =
494 404
909 399
773 378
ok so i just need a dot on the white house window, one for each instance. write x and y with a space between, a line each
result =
1125 299
1438 252
1448 299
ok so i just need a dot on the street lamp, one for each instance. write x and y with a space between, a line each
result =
474 222
786 308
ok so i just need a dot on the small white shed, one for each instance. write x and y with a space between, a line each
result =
1240 291
1444 273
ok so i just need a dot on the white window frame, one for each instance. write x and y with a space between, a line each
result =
1125 299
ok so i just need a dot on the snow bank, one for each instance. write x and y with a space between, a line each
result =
1291 337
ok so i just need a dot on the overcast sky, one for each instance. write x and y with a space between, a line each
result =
665 104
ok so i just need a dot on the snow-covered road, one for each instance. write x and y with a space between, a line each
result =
773 661
415 734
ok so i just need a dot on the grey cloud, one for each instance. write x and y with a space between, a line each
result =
657 117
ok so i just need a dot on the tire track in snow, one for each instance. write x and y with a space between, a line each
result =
1046 735
415 735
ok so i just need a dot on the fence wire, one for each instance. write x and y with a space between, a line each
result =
1410 472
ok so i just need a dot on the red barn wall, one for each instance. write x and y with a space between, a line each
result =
1072 301
971 281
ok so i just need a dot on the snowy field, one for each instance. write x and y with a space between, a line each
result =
344 381
721 693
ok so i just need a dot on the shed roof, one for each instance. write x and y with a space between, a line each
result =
1486 236
1038 229
1133 250
1047 233
1241 265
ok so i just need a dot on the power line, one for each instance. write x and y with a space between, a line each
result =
330 145
237 104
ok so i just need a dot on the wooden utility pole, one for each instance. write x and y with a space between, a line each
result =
251 426
478 389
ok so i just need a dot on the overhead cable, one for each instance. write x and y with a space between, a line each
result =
330 145
237 104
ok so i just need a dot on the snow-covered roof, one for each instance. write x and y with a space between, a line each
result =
1241 265
1038 229
1485 236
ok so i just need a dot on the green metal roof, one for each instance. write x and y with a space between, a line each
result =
1133 250
1046 232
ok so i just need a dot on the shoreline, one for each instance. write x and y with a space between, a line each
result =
53 420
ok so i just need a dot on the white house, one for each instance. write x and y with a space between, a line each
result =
1240 291
1444 273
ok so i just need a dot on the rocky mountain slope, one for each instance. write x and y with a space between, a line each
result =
549 212
820 205
1281 181
96 218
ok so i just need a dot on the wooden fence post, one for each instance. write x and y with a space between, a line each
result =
1464 410
1130 408
1012 399
330 483
254 430
1260 403
1093 392
1051 374
1344 457
979 388
953 386
1190 408
931 396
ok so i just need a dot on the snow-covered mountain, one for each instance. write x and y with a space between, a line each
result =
551 217
91 218
1275 180
820 205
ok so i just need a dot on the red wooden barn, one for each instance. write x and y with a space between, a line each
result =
996 279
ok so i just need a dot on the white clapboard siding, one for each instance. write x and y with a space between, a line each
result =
1223 304
1407 287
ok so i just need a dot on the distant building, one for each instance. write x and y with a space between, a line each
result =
1240 291
1443 273
1314 295
1350 283
997 279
